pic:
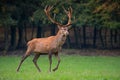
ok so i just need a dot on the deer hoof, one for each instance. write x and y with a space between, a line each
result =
54 69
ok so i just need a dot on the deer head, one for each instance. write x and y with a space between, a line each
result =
62 28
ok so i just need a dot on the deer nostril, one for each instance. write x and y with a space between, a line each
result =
64 35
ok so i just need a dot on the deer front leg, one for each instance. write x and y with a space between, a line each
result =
58 57
50 60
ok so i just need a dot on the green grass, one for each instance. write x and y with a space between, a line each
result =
72 67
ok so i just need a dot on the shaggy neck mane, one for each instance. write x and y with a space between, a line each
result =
60 38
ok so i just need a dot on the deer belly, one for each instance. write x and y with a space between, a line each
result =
41 48
46 49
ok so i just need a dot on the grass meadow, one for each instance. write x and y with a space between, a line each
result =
72 67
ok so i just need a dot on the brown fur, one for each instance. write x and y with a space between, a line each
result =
44 45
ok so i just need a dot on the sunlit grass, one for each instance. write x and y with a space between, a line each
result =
72 67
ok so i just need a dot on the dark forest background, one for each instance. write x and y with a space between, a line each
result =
96 23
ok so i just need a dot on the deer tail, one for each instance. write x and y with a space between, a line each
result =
28 43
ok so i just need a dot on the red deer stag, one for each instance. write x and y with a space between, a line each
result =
50 45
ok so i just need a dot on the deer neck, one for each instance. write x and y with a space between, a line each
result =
60 38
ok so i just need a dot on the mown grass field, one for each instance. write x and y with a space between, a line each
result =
72 67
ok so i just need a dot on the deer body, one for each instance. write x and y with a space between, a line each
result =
49 45
44 45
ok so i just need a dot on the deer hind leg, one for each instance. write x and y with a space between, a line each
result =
23 58
35 61
58 57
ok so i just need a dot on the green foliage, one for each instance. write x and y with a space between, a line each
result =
7 21
39 16
72 67
112 24
109 12
97 13
5 16
85 12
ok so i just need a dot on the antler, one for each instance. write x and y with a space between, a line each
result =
69 14
47 11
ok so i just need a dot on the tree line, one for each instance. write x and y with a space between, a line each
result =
95 22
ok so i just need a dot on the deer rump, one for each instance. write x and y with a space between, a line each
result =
43 45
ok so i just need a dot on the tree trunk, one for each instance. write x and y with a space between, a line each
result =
84 36
111 38
119 38
6 39
13 37
25 31
21 40
105 37
39 30
115 36
94 37
80 39
53 26
76 37
68 42
101 38
33 25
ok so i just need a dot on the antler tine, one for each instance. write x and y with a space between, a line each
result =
65 9
48 8
69 14
69 9
47 11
